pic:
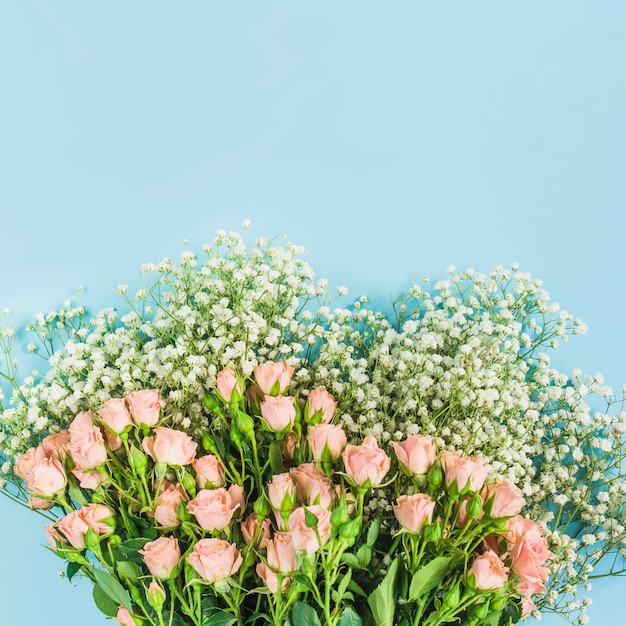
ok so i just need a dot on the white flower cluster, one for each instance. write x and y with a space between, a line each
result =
465 362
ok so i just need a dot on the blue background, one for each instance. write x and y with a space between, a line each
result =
392 139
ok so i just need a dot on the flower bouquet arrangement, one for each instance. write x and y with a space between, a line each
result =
229 450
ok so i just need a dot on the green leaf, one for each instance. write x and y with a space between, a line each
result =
364 556
129 570
356 588
382 601
104 602
350 617
112 587
220 618
350 559
173 620
304 615
276 456
77 495
493 619
72 569
428 577
373 532
129 550
343 585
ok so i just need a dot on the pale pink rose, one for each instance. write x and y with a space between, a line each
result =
250 529
55 445
213 508
517 526
124 617
490 571
270 578
47 478
25 463
290 445
278 412
320 400
156 593
238 498
508 499
168 502
529 554
91 479
99 517
305 538
145 406
73 527
281 492
416 453
161 556
86 445
227 382
215 559
461 516
268 374
53 535
327 436
413 511
528 606
36 503
115 415
281 554
366 462
312 485
113 441
170 446
463 469
209 472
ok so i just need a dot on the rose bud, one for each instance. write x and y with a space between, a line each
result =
250 528
320 407
145 406
124 617
327 442
270 578
489 571
55 445
507 499
366 464
115 415
209 472
156 595
278 413
170 446
168 502
161 556
282 492
416 454
413 511
281 555
303 536
227 384
312 486
273 378
215 559
464 470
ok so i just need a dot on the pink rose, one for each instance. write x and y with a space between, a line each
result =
327 442
281 554
529 554
413 511
55 445
238 498
99 517
124 617
215 559
227 382
53 535
113 441
86 445
508 499
250 530
73 527
528 606
47 478
25 463
156 594
305 538
269 374
281 492
145 406
489 571
40 503
464 469
278 412
213 508
270 578
161 556
366 462
290 445
209 472
115 415
91 479
312 487
416 453
170 446
320 400
168 502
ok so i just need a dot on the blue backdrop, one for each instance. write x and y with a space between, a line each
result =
390 139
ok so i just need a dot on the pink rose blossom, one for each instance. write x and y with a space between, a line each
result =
528 606
115 415
73 527
305 538
268 374
81 425
312 487
416 453
278 412
55 445
366 462
529 554
213 508
91 479
290 445
145 406
40 503
170 446
250 528
124 617
329 437
489 571
413 511
270 578
508 499
47 478
320 400
53 535
161 556
281 492
464 469
209 472
86 445
156 594
168 502
215 559
25 463
238 498
99 517
281 554
227 382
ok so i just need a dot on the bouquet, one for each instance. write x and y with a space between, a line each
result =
231 450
